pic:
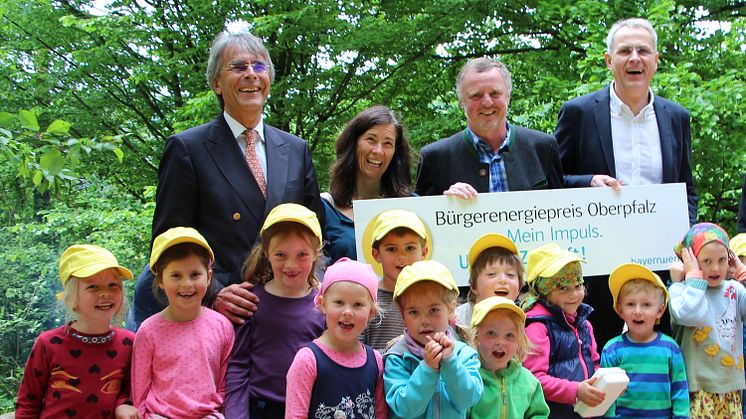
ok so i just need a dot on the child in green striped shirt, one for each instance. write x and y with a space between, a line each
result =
653 361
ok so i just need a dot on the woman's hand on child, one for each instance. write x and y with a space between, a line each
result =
236 302
590 395
126 411
690 261
677 271
433 353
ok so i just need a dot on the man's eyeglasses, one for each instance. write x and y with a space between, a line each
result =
241 68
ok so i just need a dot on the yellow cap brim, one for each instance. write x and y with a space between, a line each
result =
629 271
424 270
490 304
490 240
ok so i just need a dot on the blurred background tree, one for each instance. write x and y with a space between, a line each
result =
91 89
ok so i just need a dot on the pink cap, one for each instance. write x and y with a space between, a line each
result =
346 269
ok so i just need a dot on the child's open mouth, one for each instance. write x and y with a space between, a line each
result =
346 326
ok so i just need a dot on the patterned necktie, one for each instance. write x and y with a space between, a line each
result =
251 158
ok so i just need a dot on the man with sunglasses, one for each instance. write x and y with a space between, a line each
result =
223 177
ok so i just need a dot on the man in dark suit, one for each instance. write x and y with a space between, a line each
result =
624 134
222 179
490 155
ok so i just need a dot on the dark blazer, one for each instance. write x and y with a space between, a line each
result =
584 136
204 182
531 162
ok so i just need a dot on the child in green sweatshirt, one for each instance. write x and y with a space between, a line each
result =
502 344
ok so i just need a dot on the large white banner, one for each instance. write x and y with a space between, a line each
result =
605 227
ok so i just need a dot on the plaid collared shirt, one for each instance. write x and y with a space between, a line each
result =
498 177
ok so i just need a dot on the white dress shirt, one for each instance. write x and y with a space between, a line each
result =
637 145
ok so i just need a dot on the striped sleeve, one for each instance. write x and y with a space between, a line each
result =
679 385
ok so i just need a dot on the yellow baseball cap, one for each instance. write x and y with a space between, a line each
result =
294 213
547 260
484 307
84 260
174 236
629 271
490 240
391 219
738 244
424 270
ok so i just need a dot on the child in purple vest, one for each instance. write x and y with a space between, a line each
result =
336 375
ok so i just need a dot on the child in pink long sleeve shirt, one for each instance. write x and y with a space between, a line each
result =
181 354
336 375
565 354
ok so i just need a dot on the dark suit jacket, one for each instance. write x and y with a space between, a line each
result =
204 182
584 136
531 162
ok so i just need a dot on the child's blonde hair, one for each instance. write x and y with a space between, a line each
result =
525 347
257 268
68 299
637 285
494 255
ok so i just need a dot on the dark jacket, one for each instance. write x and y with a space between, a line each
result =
565 340
531 162
584 136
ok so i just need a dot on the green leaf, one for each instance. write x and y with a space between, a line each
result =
58 127
7 118
52 161
37 177
119 153
5 136
68 174
28 120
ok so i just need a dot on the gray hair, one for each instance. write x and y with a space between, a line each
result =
236 34
481 65
631 23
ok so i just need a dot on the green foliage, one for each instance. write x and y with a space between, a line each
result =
82 86
49 155
40 160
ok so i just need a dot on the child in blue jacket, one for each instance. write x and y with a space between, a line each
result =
428 373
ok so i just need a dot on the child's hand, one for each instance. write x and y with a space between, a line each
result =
590 395
734 261
690 261
677 271
433 353
446 342
126 411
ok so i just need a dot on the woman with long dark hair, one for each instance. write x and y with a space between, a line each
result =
373 161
